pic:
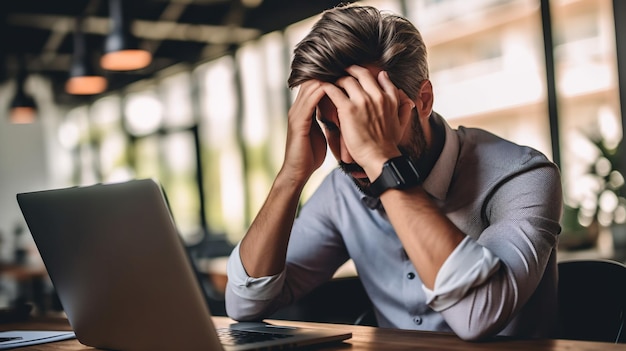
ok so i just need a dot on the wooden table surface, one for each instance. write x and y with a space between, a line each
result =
363 338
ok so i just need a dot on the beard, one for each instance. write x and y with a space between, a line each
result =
415 149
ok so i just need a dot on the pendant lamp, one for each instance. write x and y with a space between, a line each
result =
121 49
23 106
83 78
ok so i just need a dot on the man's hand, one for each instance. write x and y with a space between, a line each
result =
306 145
373 115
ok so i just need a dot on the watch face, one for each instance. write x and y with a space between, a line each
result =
405 172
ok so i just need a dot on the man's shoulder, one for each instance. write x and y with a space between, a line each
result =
483 147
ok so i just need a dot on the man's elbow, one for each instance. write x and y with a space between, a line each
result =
240 315
471 328
246 310
476 334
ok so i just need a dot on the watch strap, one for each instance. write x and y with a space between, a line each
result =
398 173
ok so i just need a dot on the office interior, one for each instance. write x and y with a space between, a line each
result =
207 116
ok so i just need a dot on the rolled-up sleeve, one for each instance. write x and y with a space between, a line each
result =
469 265
248 298
524 214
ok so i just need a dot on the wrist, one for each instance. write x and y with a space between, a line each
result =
374 166
290 181
397 173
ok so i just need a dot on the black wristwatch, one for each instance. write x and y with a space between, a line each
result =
398 173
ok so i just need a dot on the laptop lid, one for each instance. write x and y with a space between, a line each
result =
121 271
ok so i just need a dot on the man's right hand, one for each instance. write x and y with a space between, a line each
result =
305 150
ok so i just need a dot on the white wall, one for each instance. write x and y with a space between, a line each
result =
24 158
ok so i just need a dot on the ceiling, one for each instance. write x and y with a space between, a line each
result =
38 34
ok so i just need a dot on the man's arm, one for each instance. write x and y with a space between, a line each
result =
256 270
429 247
524 215
315 251
263 248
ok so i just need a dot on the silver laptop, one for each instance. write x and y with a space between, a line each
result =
124 278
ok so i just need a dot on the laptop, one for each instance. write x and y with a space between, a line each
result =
124 278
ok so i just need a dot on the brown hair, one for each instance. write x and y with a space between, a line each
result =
348 35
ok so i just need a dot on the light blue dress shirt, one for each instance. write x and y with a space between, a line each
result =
502 279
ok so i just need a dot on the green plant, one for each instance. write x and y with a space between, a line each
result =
609 203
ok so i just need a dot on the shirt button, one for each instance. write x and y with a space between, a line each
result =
417 320
410 275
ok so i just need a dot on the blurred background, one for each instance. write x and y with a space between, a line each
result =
201 104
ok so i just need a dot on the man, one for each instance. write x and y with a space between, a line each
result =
450 230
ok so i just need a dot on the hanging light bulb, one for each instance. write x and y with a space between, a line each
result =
121 51
83 78
23 106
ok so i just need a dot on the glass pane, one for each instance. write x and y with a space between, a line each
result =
590 120
176 93
277 70
180 183
488 74
111 139
87 174
75 133
146 156
221 155
256 124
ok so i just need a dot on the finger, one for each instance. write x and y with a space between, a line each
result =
337 96
306 101
352 88
388 86
365 79
310 93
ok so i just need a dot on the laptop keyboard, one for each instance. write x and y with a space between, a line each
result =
239 337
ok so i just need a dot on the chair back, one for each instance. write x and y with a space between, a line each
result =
592 300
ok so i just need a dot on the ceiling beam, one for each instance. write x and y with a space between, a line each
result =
170 14
142 29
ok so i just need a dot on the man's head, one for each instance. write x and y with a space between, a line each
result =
361 35
364 36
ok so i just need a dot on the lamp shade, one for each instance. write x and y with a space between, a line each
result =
86 85
83 78
23 106
121 49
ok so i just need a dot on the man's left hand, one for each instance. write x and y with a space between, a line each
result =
373 116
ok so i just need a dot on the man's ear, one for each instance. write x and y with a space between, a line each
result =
424 101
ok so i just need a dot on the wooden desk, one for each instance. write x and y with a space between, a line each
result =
363 339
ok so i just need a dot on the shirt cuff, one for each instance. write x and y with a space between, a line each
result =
244 286
469 265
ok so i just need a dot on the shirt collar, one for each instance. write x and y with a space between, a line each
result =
438 181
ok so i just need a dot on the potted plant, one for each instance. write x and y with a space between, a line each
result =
607 207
